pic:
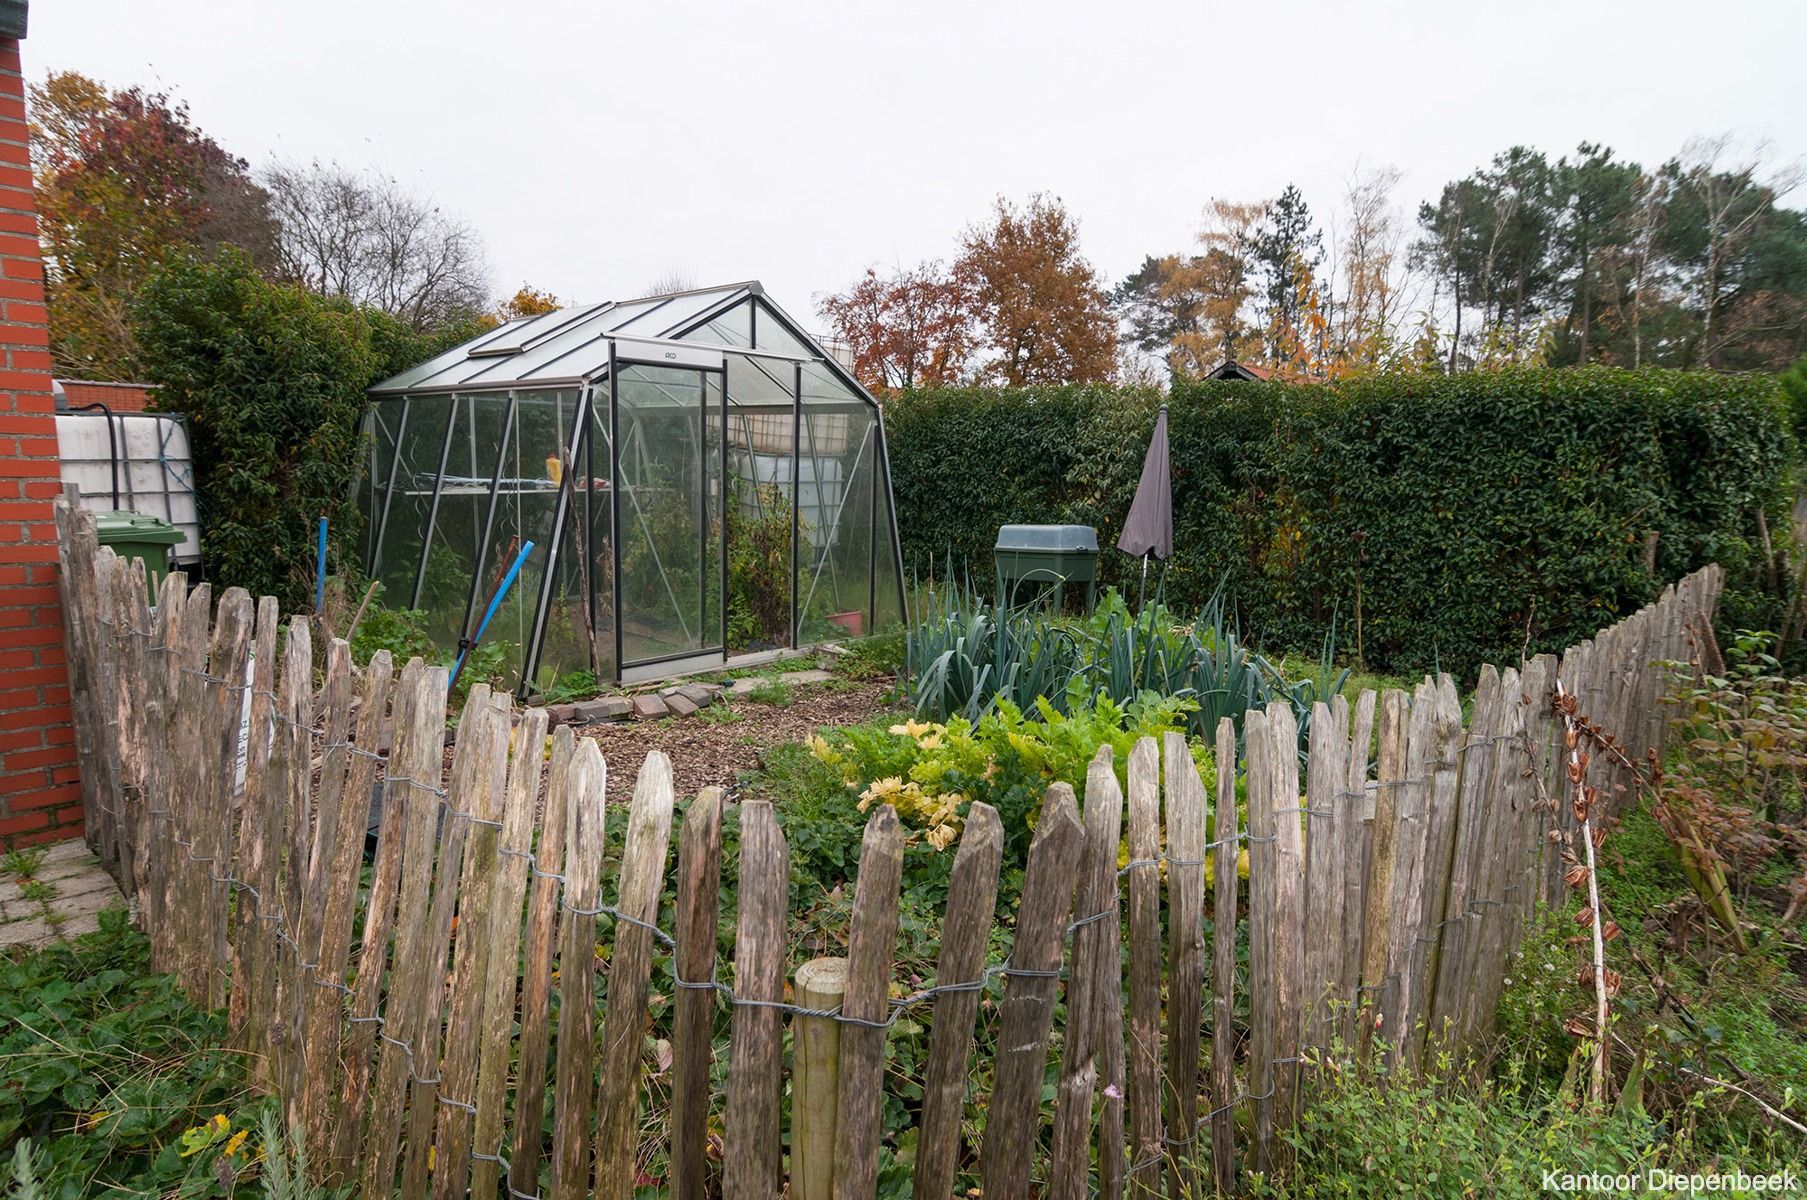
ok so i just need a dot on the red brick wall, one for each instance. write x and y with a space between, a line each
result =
40 798
120 397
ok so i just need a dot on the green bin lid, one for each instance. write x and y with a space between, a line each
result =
111 527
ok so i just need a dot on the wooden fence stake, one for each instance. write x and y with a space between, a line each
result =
573 1097
504 948
1378 989
159 772
1359 801
816 1079
295 746
326 1009
1145 968
1400 998
225 703
1185 955
1328 820
1447 1021
1223 964
642 878
699 885
972 898
1445 761
253 946
465 1017
1264 973
1097 904
414 754
755 1051
186 890
871 949
536 970
1027 1014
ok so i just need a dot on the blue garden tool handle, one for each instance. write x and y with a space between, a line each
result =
488 613
320 569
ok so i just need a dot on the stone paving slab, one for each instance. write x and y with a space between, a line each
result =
747 683
649 708
83 891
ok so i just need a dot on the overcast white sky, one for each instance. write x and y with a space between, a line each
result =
600 146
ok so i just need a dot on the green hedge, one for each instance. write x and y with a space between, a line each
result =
272 380
1443 514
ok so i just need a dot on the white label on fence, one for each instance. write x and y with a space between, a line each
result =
244 726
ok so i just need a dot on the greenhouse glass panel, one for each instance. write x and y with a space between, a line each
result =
835 511
887 585
761 427
732 328
589 555
771 332
666 480
534 447
380 429
457 357
411 500
547 359
455 533
672 315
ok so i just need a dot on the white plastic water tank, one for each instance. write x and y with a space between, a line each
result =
155 473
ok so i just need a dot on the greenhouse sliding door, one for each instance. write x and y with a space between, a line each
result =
668 419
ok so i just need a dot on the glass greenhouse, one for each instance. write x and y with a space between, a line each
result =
700 481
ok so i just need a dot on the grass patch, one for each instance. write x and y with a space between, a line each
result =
719 713
23 862
773 691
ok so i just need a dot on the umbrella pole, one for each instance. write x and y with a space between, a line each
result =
1142 598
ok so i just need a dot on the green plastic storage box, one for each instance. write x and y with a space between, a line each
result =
1047 554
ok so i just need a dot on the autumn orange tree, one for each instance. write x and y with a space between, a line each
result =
1044 313
125 184
1194 310
907 328
529 301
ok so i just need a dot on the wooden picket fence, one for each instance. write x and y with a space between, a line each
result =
409 1025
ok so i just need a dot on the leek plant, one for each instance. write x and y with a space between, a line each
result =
965 655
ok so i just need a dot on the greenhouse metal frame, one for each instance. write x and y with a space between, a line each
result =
701 482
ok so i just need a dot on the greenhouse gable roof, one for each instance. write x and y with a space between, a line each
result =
572 344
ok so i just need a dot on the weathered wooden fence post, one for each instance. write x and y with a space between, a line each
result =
816 1078
573 1097
756 1050
642 878
972 897
1186 829
1070 1154
1228 839
1027 1014
699 887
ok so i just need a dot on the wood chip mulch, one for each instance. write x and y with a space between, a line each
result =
707 752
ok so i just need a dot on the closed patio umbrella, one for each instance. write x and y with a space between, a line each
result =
1149 527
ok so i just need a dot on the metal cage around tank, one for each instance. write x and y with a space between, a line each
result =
700 481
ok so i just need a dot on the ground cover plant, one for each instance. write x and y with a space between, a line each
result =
112 1083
